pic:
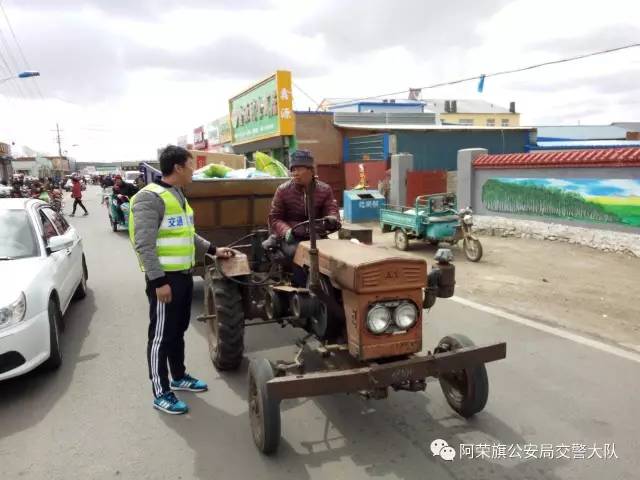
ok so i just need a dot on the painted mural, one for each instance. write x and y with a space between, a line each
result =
585 199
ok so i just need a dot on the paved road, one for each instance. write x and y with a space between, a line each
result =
93 419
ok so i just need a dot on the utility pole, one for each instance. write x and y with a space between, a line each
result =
59 142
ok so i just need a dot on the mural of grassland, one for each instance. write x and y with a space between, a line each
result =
594 200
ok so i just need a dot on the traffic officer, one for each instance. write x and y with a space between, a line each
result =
162 232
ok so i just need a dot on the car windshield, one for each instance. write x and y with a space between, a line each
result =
17 238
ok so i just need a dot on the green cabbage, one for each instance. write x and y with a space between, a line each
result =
270 165
213 170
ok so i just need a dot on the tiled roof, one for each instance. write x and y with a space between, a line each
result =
613 157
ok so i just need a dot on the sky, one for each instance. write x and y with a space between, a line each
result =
123 78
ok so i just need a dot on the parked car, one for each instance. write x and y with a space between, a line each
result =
42 268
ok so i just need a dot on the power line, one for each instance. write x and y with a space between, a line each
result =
305 93
9 72
504 72
14 65
15 39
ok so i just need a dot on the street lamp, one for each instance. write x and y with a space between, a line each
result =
25 74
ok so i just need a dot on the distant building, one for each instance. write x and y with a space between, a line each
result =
373 106
474 113
469 113
582 137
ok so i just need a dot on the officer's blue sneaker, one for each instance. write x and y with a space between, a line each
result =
169 403
189 383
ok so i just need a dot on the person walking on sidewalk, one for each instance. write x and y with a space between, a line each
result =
76 194
163 235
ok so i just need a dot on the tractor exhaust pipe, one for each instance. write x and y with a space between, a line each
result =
314 267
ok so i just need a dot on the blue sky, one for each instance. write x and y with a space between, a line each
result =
586 186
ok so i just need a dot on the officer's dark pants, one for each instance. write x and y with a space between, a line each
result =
168 322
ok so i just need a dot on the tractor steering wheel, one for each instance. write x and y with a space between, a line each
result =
301 230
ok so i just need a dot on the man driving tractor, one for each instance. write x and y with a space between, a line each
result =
289 206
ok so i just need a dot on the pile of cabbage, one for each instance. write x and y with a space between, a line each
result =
266 167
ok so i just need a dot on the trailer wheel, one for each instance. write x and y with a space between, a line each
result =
264 411
401 239
472 249
226 324
467 390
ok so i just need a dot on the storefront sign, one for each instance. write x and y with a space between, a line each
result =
199 141
5 149
60 164
218 132
263 111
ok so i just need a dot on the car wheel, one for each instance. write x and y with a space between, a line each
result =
55 324
81 291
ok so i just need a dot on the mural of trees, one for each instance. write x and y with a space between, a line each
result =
532 199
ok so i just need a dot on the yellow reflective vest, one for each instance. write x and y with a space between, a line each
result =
175 244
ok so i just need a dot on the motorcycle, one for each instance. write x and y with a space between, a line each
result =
470 243
118 208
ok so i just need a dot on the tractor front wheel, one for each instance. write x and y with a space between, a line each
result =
466 390
264 411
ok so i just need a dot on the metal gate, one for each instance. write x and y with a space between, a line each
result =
425 183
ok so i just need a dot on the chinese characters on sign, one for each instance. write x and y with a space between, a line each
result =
576 451
264 110
368 204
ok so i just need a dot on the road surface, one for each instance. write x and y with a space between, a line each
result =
93 418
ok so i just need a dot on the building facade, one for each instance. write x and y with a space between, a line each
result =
474 113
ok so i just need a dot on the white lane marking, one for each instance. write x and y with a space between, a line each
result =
604 347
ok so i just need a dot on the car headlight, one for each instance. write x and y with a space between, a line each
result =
468 219
14 312
378 319
405 316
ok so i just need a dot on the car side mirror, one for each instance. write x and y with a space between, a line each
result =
59 242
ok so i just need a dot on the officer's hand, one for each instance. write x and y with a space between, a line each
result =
224 252
163 294
331 222
288 237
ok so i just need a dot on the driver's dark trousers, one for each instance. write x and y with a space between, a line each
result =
168 322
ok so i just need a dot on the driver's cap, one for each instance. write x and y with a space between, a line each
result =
301 158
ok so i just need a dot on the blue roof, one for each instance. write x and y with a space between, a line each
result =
577 144
375 102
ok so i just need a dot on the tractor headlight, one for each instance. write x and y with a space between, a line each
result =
468 219
405 316
378 319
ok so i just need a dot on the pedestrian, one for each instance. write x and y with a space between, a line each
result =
76 194
163 235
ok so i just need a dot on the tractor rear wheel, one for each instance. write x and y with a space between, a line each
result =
226 323
466 390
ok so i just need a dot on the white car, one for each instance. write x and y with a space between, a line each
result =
42 268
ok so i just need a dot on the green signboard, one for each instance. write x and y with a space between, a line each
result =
263 111
255 114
